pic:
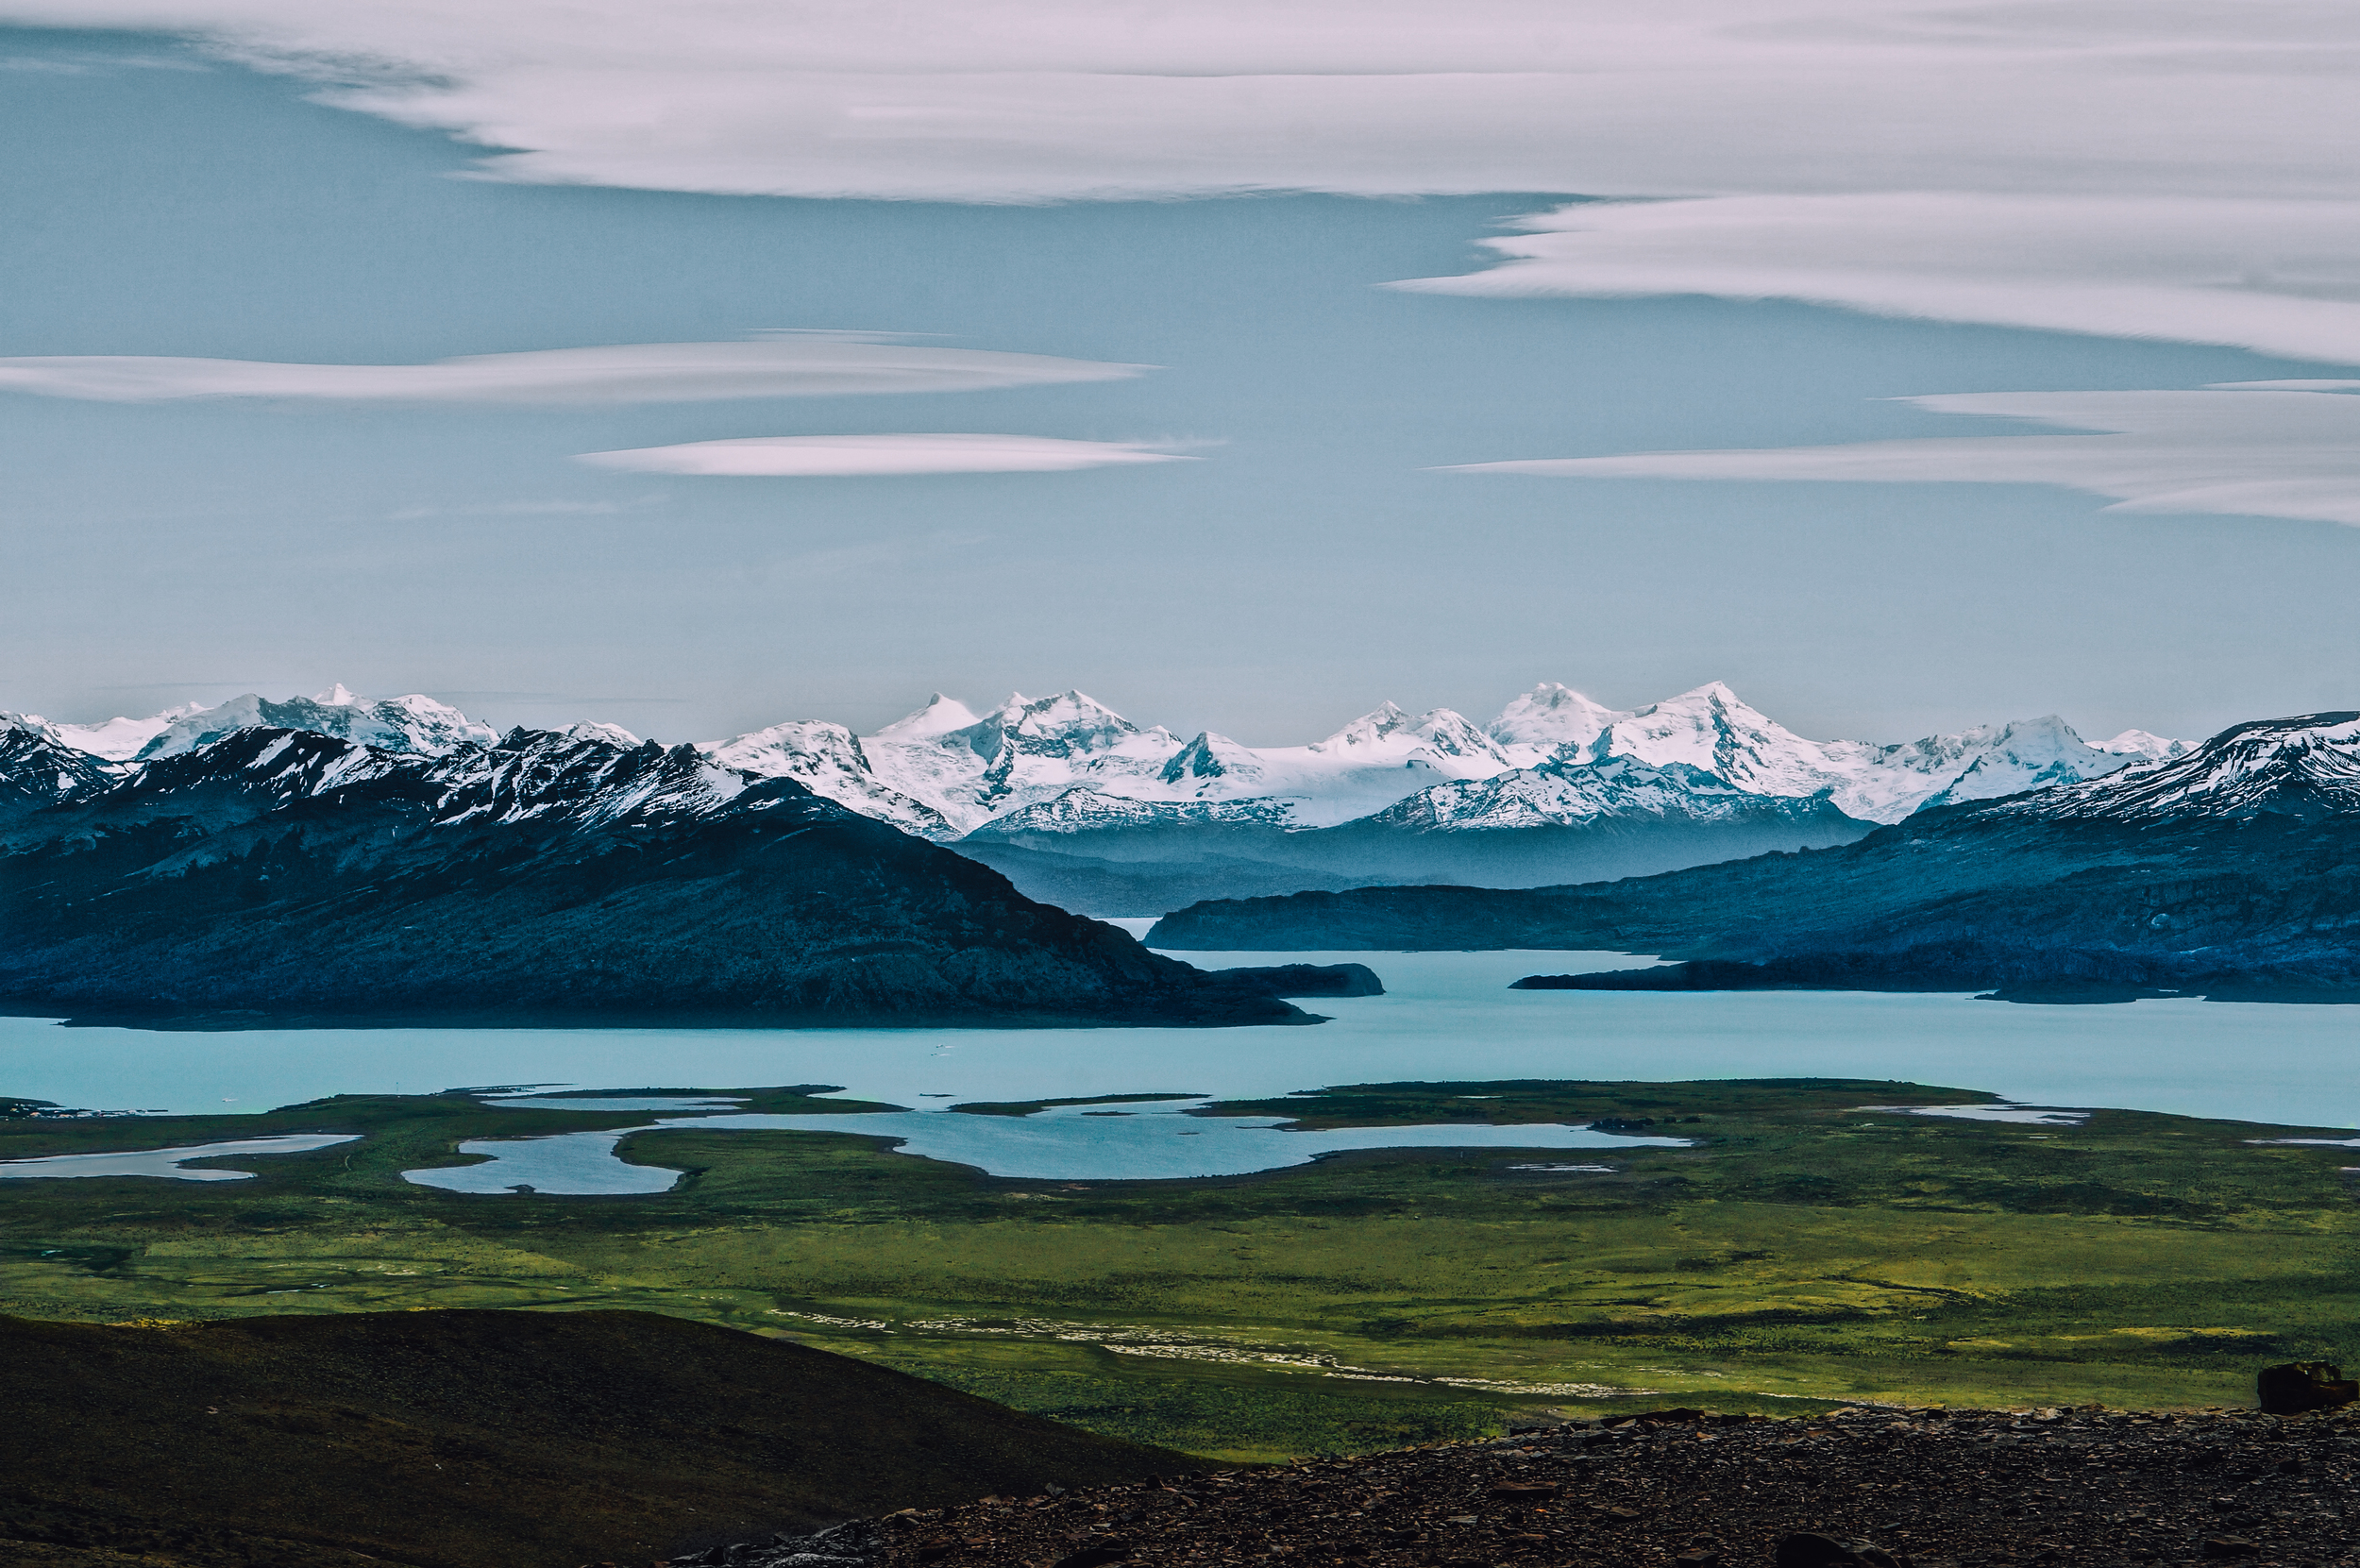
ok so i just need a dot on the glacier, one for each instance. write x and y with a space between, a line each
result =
969 771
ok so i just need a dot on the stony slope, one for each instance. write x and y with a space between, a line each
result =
1887 1489
283 875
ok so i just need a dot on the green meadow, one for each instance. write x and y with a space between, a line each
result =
1802 1252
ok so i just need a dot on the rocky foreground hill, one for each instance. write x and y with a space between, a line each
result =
1891 1489
470 1439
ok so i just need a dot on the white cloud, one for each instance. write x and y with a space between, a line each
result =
809 366
817 456
2169 169
2245 449
2280 276
1048 99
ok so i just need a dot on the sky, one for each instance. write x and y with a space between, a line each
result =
1244 367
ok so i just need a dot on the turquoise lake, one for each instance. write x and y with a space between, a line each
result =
1448 1016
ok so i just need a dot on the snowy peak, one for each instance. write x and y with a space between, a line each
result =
414 724
589 733
1548 717
940 715
1083 810
120 739
1063 726
1396 734
2028 755
1713 730
37 769
1030 751
31 724
828 760
1567 792
2141 747
587 775
1211 761
944 771
2307 767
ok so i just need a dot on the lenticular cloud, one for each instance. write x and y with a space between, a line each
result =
2279 276
1018 100
2259 451
842 456
815 365
2174 171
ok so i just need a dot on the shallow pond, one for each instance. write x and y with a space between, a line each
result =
1059 1143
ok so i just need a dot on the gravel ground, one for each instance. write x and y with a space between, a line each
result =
1919 1489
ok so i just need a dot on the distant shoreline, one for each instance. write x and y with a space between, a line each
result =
1701 975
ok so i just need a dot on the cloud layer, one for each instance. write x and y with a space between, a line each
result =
815 365
2172 170
1048 99
2279 276
2246 450
830 455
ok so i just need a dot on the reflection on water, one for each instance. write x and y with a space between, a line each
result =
567 1162
616 1103
1063 1143
1447 1016
169 1162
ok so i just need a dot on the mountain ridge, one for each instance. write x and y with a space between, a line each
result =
2232 870
1545 793
283 875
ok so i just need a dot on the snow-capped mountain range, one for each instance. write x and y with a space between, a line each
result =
545 877
2307 767
1068 763
413 724
969 771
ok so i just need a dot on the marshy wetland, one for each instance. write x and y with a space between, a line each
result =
1805 1242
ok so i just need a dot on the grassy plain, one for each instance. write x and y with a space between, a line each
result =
1802 1249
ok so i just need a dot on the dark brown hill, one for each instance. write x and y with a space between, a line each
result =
476 1439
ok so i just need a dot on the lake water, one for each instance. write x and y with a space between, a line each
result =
1448 1016
173 1162
1057 1143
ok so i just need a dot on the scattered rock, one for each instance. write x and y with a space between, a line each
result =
2230 1545
855 1544
1802 1549
1524 1491
1096 1554
2298 1386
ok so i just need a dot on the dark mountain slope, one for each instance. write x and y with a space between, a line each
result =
35 772
478 1440
2236 870
280 875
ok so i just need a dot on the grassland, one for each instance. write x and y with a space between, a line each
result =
1802 1249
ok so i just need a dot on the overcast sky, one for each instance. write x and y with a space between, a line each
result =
1241 366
